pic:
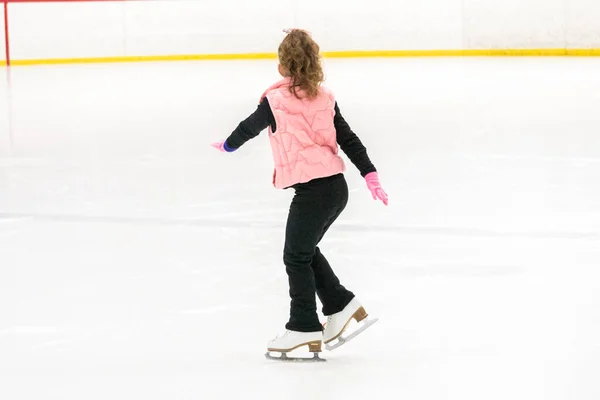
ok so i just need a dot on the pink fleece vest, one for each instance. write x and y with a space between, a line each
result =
304 143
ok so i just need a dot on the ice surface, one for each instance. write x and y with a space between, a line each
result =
136 262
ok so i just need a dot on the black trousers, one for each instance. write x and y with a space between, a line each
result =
316 205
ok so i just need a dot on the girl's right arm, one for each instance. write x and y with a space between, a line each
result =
249 128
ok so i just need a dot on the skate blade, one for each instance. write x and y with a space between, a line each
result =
284 357
341 340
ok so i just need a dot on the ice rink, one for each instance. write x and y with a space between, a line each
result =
137 262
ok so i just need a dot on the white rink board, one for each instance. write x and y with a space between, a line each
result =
383 24
138 28
211 27
582 23
2 36
493 24
66 30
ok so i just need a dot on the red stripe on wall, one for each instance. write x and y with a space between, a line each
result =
6 41
58 1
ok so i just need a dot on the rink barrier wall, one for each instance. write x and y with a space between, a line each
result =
326 54
111 31
6 53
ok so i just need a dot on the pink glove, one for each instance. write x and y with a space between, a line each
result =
374 186
219 146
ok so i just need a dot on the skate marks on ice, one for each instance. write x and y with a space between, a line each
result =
275 224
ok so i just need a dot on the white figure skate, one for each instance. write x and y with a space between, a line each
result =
292 340
337 323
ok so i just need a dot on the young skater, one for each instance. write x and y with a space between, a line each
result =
305 129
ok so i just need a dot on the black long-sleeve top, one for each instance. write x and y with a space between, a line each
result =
263 117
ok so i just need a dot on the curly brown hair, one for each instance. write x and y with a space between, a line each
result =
300 58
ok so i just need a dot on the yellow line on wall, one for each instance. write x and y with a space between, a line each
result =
122 59
328 54
465 53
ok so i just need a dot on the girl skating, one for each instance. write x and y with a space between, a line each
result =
305 128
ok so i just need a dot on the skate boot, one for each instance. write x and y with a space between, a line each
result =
292 340
337 323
